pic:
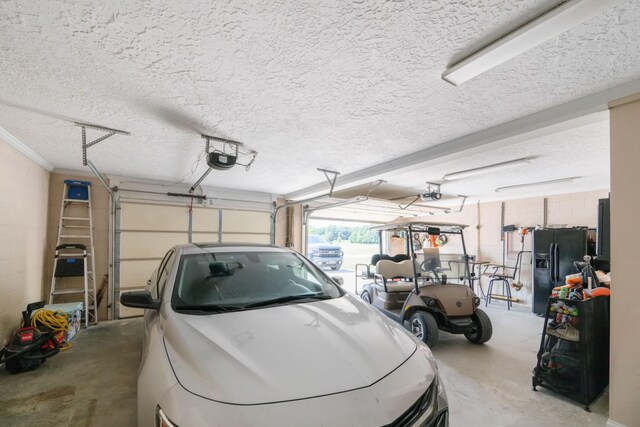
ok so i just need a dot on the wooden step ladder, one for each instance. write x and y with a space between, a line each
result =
74 255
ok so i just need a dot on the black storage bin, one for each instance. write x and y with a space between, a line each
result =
578 369
69 267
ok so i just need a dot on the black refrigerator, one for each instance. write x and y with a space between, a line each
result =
604 230
554 252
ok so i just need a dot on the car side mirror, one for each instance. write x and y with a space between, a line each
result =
339 280
139 299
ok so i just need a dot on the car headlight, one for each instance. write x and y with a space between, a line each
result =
162 420
424 411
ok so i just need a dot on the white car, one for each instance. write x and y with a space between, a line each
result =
248 335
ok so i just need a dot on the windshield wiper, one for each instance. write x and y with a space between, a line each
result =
287 298
209 307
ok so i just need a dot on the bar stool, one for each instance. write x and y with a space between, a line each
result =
504 274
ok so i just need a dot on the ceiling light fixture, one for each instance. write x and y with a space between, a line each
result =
547 26
487 169
535 184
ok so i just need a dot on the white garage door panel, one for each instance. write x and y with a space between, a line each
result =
130 312
246 221
140 216
205 238
134 274
205 220
150 230
149 244
246 238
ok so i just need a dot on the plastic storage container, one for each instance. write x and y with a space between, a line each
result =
78 190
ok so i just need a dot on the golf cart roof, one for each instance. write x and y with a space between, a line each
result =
419 224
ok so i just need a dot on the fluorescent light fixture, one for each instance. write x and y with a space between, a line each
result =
545 27
535 184
487 169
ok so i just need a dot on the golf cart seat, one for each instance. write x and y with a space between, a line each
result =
395 258
387 270
367 271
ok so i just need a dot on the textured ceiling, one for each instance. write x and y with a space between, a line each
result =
340 85
581 153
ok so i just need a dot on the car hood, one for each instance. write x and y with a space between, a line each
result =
284 352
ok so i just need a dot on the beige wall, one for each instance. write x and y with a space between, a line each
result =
624 388
100 211
573 209
483 236
24 187
298 237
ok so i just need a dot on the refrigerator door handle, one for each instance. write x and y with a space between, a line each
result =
552 267
557 262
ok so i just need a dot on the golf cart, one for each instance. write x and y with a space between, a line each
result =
414 289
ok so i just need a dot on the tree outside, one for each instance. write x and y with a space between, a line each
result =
341 233
356 240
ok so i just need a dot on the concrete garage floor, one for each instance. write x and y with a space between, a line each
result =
490 385
91 384
94 383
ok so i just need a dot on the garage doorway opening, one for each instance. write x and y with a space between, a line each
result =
337 246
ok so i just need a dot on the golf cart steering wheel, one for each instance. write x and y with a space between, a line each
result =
430 265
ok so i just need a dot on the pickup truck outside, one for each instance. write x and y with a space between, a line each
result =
324 254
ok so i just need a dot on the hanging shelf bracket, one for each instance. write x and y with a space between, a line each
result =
109 133
375 184
331 177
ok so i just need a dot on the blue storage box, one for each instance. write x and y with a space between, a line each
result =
78 190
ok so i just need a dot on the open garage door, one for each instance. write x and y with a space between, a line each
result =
147 230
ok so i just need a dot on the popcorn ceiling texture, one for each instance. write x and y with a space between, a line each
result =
581 152
340 85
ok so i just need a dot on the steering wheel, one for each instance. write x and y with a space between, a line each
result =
430 265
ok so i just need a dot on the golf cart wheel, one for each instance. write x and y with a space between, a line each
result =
366 296
482 330
424 326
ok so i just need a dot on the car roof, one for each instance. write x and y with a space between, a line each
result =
419 224
193 248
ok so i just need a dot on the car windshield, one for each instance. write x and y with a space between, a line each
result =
230 281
